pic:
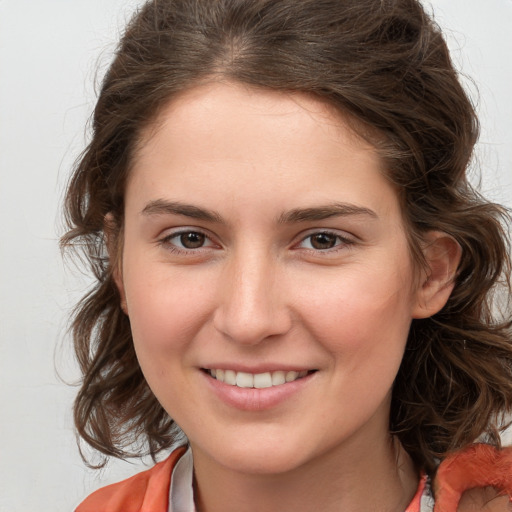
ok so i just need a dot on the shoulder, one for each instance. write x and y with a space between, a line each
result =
476 478
147 491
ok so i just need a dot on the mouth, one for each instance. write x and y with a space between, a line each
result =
256 380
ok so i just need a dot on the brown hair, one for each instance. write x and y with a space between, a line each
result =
385 64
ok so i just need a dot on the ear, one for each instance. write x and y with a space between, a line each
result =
113 239
442 255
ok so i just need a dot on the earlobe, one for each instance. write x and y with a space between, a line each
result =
114 248
117 275
442 255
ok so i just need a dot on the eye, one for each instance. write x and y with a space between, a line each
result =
191 240
187 240
323 241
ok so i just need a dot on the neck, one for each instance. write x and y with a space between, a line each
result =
379 477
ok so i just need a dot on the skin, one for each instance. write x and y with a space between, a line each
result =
260 294
487 499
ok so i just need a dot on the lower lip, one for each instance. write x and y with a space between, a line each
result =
254 399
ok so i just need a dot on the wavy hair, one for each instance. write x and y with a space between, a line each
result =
383 63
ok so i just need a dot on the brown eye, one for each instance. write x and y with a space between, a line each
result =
322 241
192 240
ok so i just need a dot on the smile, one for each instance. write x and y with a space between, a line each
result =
256 380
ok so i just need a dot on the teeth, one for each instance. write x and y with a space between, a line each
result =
258 380
230 377
278 378
291 376
263 380
244 380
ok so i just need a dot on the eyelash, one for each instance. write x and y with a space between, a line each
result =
172 247
341 242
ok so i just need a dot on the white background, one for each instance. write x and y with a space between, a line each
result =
50 51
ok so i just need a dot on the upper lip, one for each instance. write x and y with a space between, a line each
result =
256 369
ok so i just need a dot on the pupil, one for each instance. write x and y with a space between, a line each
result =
192 240
323 241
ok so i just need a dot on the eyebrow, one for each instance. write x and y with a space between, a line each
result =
163 207
325 212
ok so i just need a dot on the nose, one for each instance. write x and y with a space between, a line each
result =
251 305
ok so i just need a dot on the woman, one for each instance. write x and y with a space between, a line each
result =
293 270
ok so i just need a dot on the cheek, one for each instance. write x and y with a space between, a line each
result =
365 332
165 320
165 310
365 313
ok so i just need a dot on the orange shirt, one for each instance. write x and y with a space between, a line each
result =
148 491
476 466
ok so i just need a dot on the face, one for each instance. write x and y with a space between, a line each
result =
267 277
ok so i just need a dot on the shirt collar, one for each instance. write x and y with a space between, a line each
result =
181 492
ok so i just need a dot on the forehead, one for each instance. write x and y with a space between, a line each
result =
259 113
222 139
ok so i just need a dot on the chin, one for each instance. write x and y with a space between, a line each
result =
263 463
257 458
